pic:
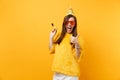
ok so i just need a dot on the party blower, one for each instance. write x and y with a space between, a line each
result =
53 26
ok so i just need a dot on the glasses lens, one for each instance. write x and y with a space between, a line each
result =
70 22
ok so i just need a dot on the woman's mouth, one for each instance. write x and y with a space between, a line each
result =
69 29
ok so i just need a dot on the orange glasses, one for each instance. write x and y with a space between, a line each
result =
71 22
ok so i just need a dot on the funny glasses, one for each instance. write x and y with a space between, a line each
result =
70 22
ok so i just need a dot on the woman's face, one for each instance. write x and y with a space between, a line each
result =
70 24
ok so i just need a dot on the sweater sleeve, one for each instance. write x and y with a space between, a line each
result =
52 50
81 43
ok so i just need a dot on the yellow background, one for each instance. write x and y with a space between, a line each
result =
24 36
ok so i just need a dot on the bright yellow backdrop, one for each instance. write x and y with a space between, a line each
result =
24 35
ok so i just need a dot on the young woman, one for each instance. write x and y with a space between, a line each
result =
68 47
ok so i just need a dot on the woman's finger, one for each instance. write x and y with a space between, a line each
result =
77 36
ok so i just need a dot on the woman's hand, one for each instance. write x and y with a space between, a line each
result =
74 40
52 33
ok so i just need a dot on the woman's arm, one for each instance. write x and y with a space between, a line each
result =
77 48
50 43
52 34
75 41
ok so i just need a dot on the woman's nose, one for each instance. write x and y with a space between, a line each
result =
69 23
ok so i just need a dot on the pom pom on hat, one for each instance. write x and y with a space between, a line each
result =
70 12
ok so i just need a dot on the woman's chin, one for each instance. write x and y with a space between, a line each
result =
69 32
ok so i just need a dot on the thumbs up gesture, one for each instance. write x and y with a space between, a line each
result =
74 40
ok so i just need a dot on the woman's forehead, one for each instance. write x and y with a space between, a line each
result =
71 19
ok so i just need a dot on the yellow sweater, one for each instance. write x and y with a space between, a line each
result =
65 60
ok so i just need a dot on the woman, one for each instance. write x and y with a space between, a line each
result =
67 47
